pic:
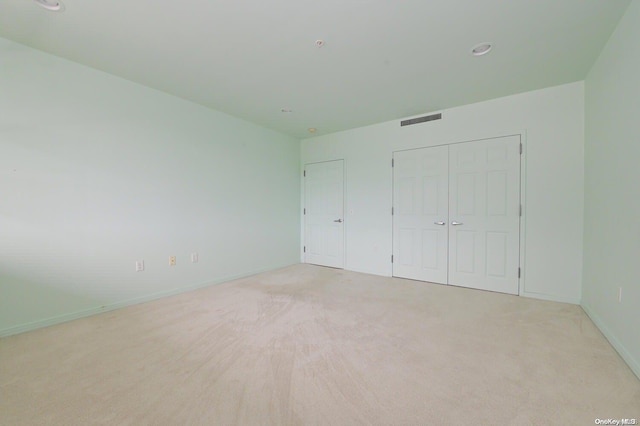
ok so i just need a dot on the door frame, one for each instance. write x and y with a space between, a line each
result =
345 222
523 167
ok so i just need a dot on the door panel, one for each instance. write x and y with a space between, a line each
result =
324 206
484 214
430 248
497 251
406 246
465 246
420 201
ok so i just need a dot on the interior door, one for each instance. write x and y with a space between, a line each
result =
324 213
484 214
420 214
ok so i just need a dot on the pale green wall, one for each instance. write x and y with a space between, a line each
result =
612 189
97 172
552 120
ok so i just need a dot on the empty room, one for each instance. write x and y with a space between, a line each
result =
319 213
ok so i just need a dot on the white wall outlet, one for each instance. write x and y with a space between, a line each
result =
139 265
172 261
194 257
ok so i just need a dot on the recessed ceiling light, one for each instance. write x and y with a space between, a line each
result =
286 111
481 49
312 129
52 5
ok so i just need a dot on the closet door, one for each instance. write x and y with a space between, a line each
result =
484 214
420 211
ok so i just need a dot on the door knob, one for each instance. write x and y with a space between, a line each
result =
338 220
439 223
454 223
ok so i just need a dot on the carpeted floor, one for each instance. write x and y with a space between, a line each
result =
311 345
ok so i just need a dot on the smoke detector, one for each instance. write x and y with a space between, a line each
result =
481 49
52 5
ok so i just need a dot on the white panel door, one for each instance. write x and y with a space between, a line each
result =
324 213
420 213
484 214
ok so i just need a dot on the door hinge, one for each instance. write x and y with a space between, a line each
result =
391 258
304 173
391 211
304 249
520 148
520 210
304 211
519 272
392 162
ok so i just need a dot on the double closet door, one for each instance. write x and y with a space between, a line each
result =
456 214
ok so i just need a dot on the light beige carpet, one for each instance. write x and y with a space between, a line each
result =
311 345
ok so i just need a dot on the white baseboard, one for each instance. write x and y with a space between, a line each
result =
633 363
22 328
551 297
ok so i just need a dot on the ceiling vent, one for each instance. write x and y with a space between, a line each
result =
421 119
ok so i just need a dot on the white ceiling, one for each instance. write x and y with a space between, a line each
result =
382 59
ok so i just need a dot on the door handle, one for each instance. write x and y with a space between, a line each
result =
338 220
454 223
439 223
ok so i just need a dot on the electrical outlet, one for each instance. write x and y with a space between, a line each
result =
139 265
194 257
172 261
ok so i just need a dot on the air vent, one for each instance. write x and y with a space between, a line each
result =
421 119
